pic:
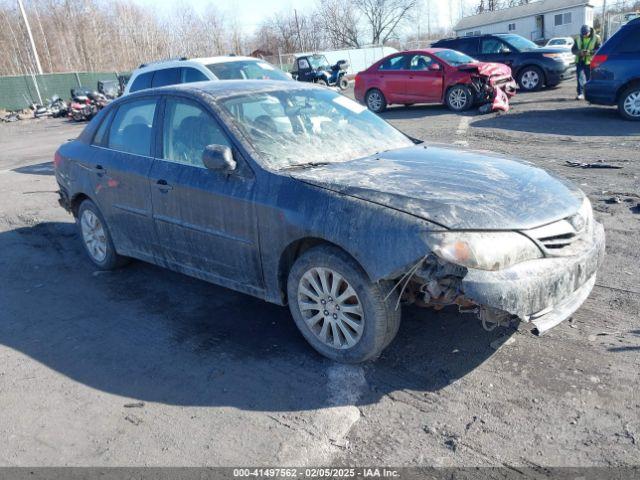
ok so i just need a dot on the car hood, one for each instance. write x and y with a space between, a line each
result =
487 68
453 188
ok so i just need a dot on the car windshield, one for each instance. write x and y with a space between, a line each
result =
246 70
318 61
520 43
453 57
291 129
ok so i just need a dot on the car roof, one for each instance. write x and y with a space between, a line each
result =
186 61
220 89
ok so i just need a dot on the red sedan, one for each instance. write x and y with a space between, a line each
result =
434 75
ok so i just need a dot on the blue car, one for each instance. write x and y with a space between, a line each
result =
297 195
615 72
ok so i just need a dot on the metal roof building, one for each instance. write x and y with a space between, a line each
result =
536 21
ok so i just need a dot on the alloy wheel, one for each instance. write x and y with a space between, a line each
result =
94 235
458 98
530 79
331 308
632 104
374 101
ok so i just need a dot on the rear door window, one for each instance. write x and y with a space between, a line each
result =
141 82
420 63
187 130
189 74
166 76
131 129
492 46
394 63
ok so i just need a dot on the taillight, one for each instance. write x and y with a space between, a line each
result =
57 160
598 60
357 78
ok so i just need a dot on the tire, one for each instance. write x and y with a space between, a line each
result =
321 82
530 79
375 101
459 98
629 103
101 253
343 83
372 321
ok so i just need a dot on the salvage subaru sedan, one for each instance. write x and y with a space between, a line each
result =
297 195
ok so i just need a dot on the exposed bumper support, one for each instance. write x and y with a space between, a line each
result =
546 321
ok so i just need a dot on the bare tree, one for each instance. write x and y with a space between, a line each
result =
341 22
384 16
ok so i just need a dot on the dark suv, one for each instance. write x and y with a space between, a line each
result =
615 72
532 66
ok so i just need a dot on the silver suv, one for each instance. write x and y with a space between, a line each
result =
187 70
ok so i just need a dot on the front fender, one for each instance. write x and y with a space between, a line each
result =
385 242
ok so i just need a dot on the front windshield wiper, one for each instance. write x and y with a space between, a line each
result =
305 165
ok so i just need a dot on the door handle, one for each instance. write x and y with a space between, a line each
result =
99 169
163 186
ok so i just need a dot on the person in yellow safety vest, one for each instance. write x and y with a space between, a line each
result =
584 47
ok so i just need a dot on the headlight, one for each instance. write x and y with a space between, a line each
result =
483 250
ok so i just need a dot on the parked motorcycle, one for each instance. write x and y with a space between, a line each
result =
58 107
85 104
316 69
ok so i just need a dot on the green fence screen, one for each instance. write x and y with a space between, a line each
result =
20 91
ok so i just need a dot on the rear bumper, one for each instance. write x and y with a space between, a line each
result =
545 291
63 199
600 93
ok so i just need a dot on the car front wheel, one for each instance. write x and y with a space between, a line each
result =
339 311
531 79
459 98
629 104
96 238
375 100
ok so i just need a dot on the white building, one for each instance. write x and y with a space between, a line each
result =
536 21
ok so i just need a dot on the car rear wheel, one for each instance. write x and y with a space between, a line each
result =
375 101
339 311
459 98
96 238
530 79
629 103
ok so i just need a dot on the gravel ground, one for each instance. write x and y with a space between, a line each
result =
145 367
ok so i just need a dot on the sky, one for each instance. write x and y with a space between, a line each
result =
249 13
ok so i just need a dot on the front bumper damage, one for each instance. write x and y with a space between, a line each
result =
544 292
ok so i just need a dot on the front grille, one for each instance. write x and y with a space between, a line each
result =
563 238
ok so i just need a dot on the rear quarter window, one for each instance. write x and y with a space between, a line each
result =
465 45
141 82
629 41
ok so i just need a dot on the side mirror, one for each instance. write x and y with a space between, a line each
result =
218 157
435 67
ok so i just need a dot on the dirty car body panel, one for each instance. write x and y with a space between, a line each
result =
245 228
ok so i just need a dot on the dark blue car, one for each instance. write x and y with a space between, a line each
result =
615 72
295 194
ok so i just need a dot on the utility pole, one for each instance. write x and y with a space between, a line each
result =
295 13
33 44
604 20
